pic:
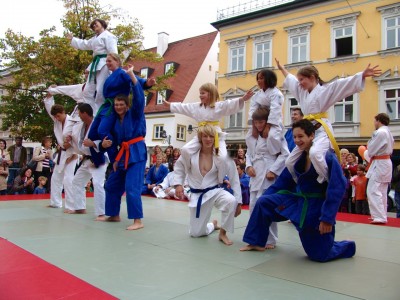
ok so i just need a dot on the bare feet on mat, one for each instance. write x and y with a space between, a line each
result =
101 218
69 211
270 246
113 219
252 248
137 224
52 206
224 238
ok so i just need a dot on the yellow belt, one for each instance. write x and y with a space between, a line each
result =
214 123
318 118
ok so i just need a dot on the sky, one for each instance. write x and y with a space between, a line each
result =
179 18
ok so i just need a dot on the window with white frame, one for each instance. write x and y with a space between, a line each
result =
237 55
168 66
262 50
343 33
390 26
236 120
157 130
144 73
160 97
344 110
180 132
299 42
392 99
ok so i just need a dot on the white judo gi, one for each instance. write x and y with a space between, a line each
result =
272 99
166 188
101 44
379 172
321 98
63 173
259 157
208 114
86 171
218 197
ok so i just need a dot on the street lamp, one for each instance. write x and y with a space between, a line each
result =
190 128
167 138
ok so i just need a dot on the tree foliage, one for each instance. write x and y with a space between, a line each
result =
35 65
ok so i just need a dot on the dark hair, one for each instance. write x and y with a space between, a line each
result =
310 71
346 173
19 138
102 22
260 114
85 108
297 109
383 118
361 167
5 143
23 170
306 125
122 97
270 78
57 109
242 166
45 139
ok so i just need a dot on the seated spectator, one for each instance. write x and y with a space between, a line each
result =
244 183
166 189
155 176
176 153
41 188
23 183
156 151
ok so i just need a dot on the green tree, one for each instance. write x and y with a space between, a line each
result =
35 65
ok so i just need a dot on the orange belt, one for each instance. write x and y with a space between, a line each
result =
386 156
125 149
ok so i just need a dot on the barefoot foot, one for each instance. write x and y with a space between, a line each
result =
216 227
224 238
137 224
270 246
113 219
252 248
69 211
101 218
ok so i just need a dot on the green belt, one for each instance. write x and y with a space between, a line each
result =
93 67
109 101
305 204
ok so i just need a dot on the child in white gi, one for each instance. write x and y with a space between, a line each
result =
270 97
209 111
262 166
315 98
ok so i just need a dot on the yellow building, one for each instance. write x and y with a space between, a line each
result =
340 38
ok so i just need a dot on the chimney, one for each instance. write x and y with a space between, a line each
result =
162 44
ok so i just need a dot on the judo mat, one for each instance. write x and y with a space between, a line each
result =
26 276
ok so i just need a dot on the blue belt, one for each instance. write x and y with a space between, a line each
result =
202 191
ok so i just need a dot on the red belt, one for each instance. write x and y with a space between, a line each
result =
125 149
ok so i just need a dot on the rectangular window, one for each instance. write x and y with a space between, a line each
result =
160 97
344 110
167 67
236 120
157 130
262 55
181 132
298 48
392 32
392 98
237 59
343 41
144 73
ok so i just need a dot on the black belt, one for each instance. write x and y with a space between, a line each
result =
59 154
85 157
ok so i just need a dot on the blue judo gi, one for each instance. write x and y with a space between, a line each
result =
119 82
154 177
129 180
306 204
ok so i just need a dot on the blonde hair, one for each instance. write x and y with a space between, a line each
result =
212 90
207 130
116 57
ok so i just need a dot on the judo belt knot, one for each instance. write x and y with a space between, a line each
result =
124 149
318 118
93 67
214 123
202 191
305 203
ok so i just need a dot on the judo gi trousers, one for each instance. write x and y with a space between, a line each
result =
129 181
318 247
62 177
223 201
86 171
377 200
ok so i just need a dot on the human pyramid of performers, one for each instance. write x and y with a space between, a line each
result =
293 175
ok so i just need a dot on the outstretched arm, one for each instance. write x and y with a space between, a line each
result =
281 68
